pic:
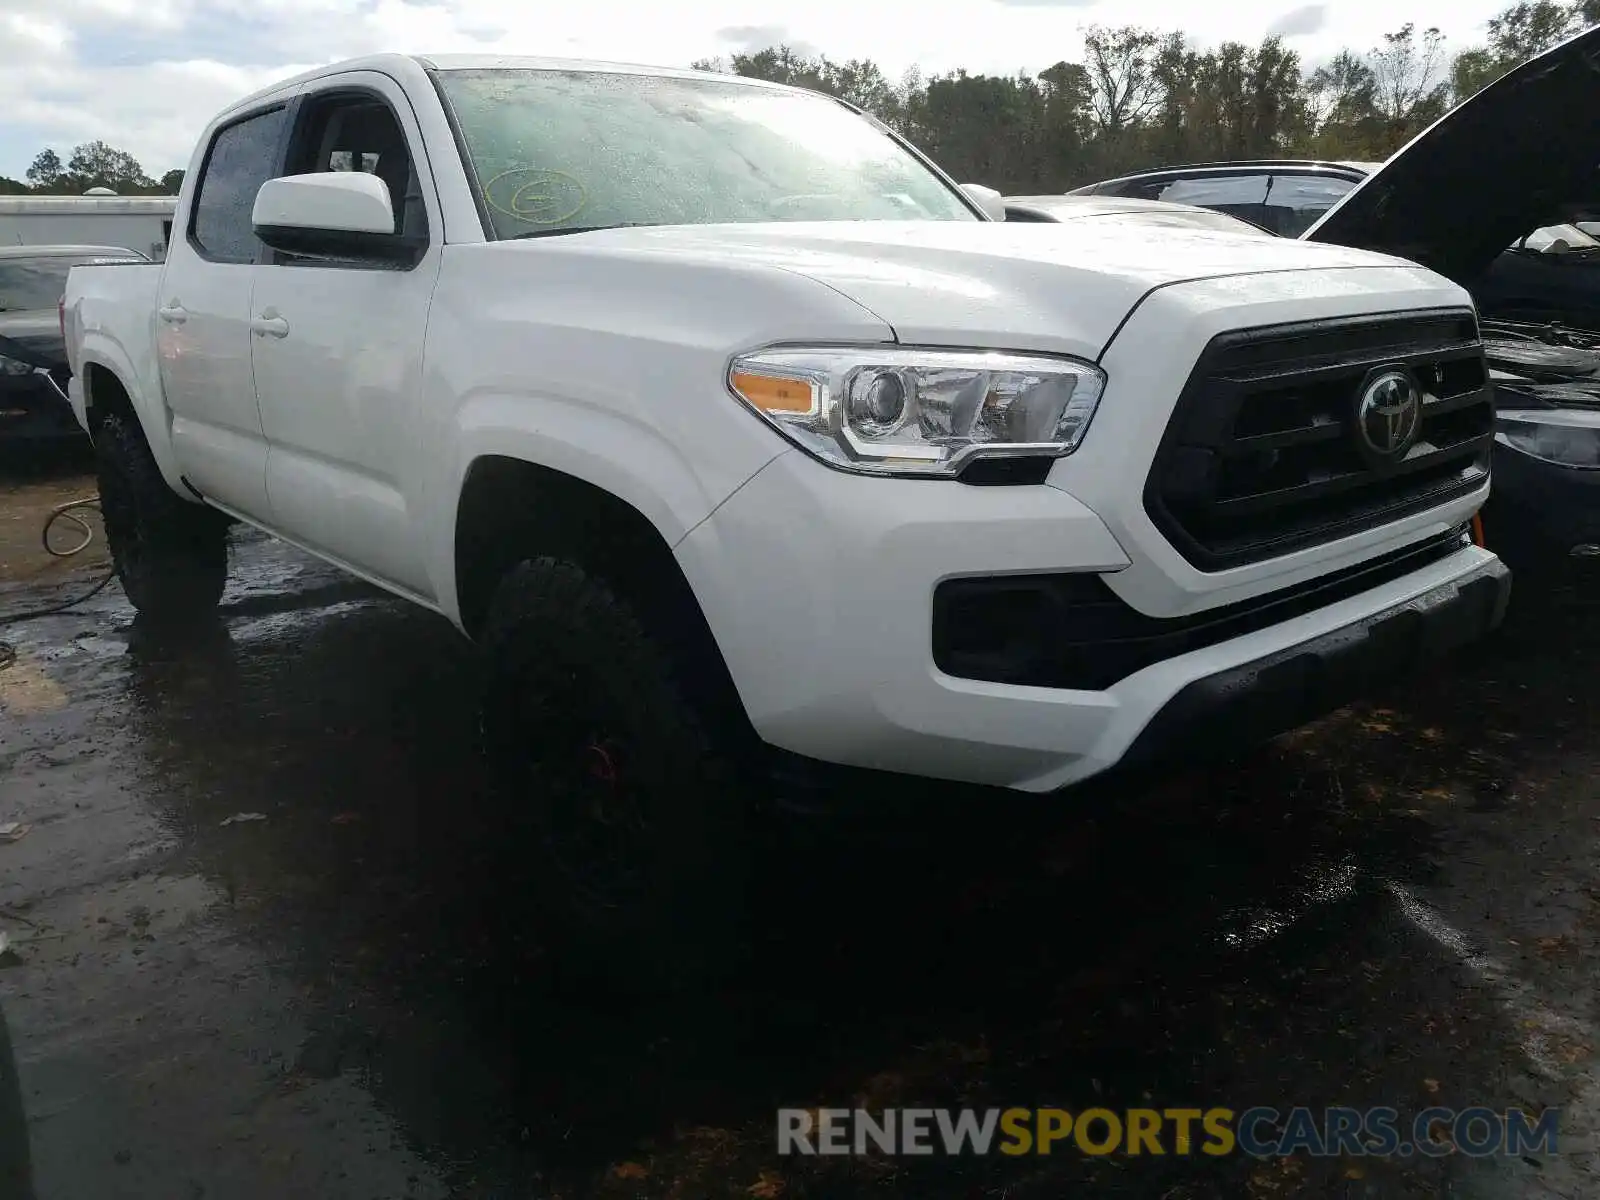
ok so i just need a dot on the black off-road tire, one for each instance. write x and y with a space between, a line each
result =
591 735
170 555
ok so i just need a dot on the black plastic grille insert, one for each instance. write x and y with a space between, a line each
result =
1262 456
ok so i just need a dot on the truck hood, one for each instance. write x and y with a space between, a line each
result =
1496 166
1062 287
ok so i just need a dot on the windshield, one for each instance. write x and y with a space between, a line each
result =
35 283
559 151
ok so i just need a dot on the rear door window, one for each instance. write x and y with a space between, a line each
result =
242 157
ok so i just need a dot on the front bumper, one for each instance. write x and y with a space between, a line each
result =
819 588
1258 700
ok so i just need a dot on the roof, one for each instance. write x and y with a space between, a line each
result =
12 206
1233 163
401 66
7 252
501 62
1308 165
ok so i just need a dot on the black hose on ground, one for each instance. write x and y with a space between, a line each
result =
61 512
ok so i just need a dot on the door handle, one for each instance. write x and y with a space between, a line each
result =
173 314
270 323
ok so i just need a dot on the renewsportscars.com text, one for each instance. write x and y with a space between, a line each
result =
1259 1132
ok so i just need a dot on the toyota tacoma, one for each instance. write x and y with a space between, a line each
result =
736 434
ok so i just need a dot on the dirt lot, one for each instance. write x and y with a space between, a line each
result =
30 486
344 998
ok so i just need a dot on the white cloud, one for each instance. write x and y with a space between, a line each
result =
145 75
148 14
26 34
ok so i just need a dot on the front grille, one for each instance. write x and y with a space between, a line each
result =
1262 456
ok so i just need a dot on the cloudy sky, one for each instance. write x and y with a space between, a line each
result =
145 75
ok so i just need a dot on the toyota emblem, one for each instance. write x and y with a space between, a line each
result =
1389 414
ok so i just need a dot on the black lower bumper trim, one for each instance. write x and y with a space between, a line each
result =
1255 702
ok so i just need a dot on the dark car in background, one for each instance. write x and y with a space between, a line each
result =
33 352
1283 196
1546 274
1153 214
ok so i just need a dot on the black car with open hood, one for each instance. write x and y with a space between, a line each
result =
1516 166
1522 153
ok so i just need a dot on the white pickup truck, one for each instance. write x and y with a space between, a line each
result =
735 432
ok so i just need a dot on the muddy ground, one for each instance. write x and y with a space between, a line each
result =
347 997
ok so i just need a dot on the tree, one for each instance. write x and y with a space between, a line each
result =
1342 103
860 81
983 128
1123 88
1516 35
1525 30
1473 70
1144 98
780 64
91 165
863 83
1236 101
95 164
1410 91
45 173
1064 131
1276 101
172 182
1175 67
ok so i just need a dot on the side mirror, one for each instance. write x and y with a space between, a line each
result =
986 198
332 214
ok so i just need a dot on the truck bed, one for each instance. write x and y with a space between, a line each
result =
113 306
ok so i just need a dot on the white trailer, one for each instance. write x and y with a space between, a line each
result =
142 223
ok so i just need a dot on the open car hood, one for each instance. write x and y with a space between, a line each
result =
1496 166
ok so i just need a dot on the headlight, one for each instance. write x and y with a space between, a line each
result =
896 411
12 366
1568 437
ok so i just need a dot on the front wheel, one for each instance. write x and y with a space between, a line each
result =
170 555
641 855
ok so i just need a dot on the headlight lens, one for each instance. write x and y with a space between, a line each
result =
1568 437
898 411
12 366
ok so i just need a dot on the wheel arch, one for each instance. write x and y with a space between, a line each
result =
510 510
105 381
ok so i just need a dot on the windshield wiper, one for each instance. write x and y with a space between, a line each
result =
538 233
